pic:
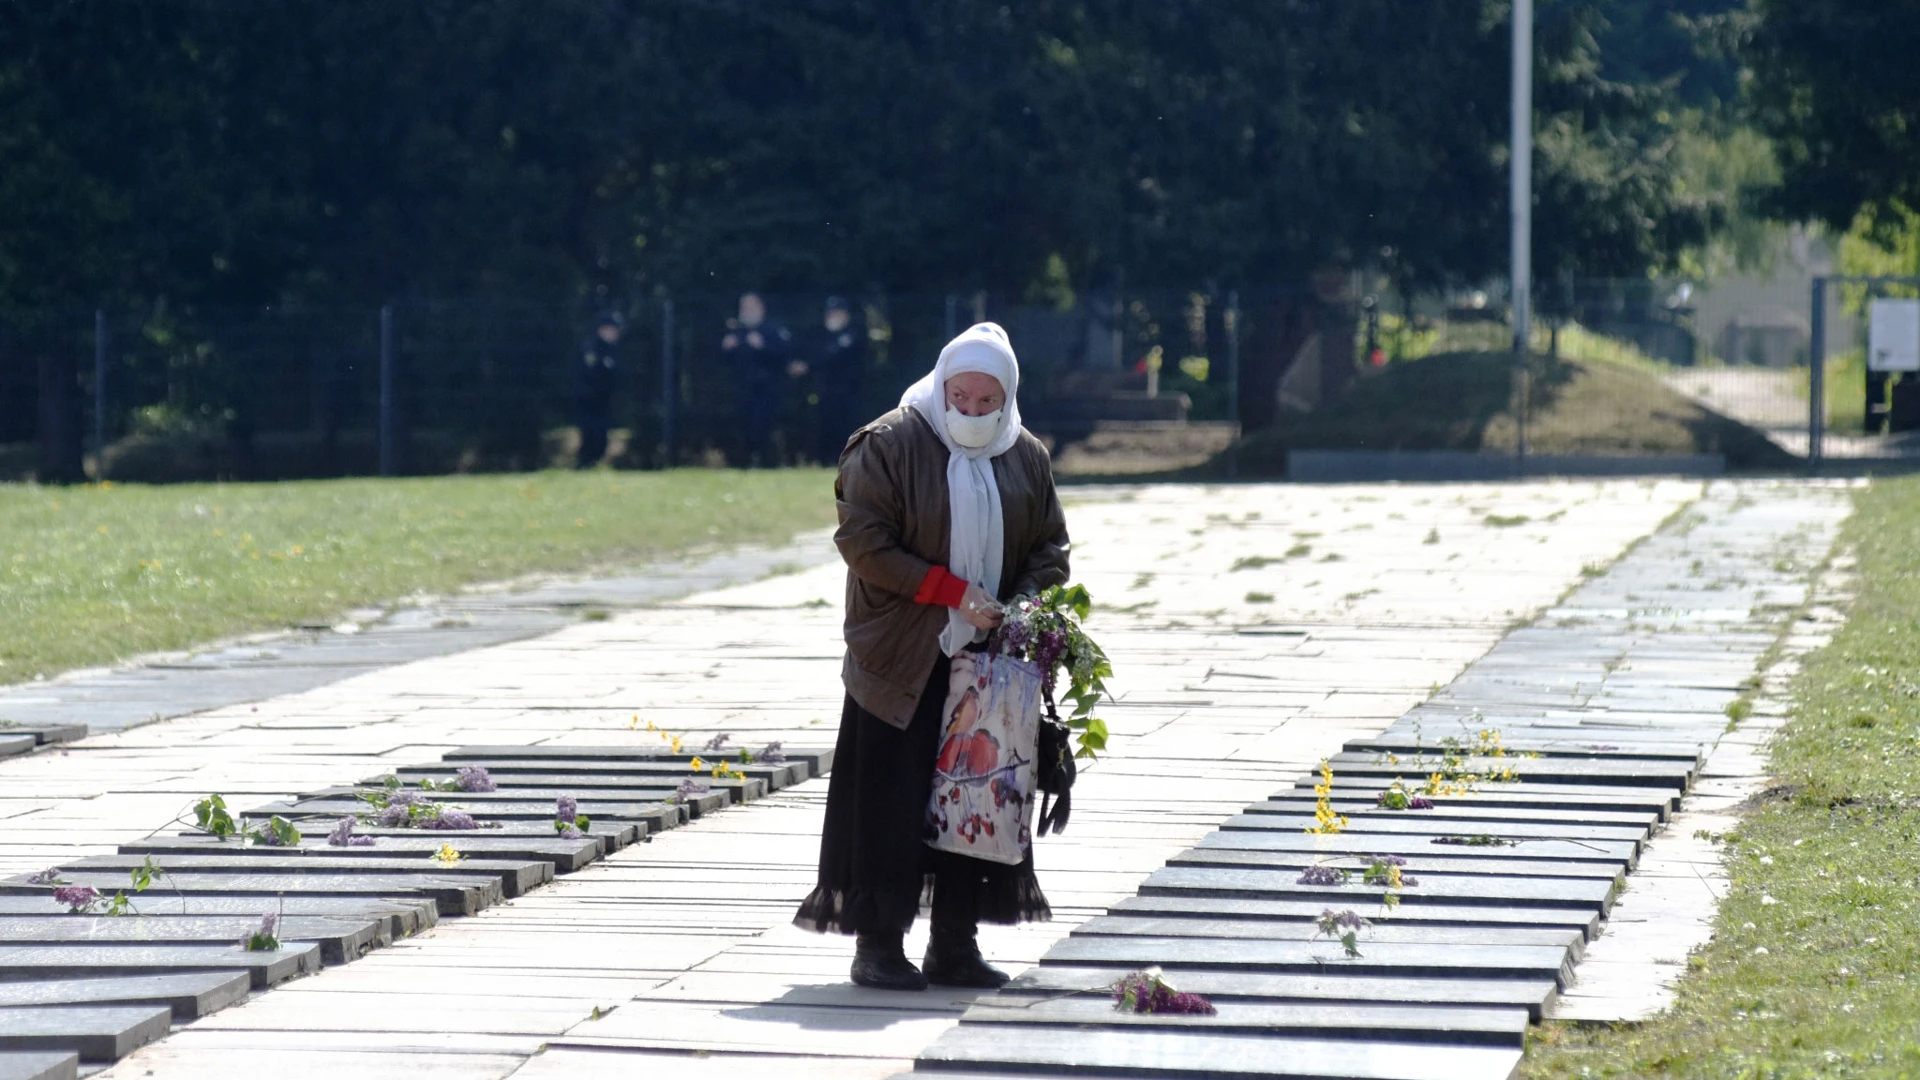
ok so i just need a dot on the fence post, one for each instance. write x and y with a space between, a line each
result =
1233 381
99 394
669 386
387 427
1817 375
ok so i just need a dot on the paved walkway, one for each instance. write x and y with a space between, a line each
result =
1774 400
1256 629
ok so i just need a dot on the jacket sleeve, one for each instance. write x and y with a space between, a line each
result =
872 509
1046 562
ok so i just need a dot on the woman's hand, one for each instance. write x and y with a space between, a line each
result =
980 610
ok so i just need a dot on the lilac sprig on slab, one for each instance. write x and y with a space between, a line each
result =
1147 992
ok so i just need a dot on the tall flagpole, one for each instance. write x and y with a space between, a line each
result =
1520 197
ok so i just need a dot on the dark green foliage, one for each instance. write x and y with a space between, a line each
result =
365 150
1835 85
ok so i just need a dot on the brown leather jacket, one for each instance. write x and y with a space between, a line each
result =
892 495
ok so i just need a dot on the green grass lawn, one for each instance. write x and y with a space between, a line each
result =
1814 969
92 574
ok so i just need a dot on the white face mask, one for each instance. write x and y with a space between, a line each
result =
973 432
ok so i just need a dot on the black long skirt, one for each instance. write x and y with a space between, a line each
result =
876 869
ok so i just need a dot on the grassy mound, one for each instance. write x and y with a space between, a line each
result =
1464 401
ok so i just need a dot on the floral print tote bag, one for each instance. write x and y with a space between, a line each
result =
983 780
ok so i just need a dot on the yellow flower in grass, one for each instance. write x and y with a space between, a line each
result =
446 856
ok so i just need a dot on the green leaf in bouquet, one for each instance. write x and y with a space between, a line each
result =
1093 738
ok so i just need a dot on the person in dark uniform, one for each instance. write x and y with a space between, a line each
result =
593 389
838 374
762 355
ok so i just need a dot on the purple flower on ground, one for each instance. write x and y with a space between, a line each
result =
269 924
566 808
1144 993
393 817
1419 802
474 778
1389 860
1408 881
406 798
362 841
49 876
568 832
771 755
78 898
715 744
690 787
1331 920
450 819
342 834
1322 875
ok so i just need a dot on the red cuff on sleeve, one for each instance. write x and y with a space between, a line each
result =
941 587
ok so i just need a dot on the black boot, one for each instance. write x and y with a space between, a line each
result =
881 962
953 959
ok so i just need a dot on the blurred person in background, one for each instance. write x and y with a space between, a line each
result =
764 365
593 389
838 372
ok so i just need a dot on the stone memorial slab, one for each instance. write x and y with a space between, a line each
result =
189 994
64 961
404 917
1383 927
1315 957
1204 1056
1479 1026
1584 921
516 877
340 940
1605 852
1531 995
98 1033
566 856
1436 890
38 1065
456 894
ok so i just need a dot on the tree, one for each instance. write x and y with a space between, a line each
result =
1834 84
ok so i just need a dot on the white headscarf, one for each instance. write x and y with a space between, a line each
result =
978 529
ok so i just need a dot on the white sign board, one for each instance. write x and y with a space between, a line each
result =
1893 335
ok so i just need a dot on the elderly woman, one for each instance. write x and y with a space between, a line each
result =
947 508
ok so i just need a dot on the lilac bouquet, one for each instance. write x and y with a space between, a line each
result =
1147 992
474 778
1045 631
342 835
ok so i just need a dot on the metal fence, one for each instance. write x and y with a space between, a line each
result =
1121 382
443 386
